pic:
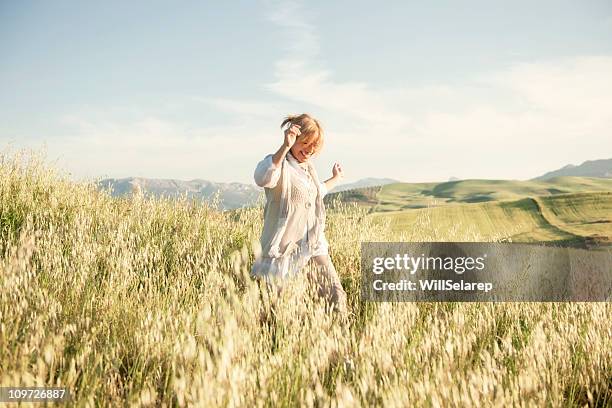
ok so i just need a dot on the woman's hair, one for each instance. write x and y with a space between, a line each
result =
310 129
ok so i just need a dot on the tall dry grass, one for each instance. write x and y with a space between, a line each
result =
145 301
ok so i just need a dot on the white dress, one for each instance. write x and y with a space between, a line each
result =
267 175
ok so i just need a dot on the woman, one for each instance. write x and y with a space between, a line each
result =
294 215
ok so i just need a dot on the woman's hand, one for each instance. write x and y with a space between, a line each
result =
337 171
291 134
337 175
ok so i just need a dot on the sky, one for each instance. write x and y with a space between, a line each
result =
415 91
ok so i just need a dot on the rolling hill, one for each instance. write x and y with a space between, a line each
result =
575 219
399 196
574 211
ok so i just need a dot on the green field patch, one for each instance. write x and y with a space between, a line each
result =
402 196
564 219
584 214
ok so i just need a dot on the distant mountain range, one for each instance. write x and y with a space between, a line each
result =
590 168
236 195
363 183
230 195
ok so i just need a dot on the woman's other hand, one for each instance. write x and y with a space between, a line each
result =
337 171
337 175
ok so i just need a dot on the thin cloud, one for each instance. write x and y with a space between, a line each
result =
148 146
242 107
300 79
304 42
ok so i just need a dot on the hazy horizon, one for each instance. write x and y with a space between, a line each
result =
413 92
344 182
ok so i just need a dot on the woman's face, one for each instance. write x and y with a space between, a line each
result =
302 151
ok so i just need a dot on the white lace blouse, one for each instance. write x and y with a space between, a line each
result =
267 175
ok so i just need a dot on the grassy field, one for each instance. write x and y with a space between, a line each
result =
148 303
577 219
565 210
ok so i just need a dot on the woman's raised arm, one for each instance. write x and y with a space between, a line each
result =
267 173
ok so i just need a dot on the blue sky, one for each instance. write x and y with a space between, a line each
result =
413 91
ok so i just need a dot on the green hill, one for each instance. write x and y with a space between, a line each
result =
576 219
566 210
398 196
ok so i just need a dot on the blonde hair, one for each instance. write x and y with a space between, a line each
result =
310 128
